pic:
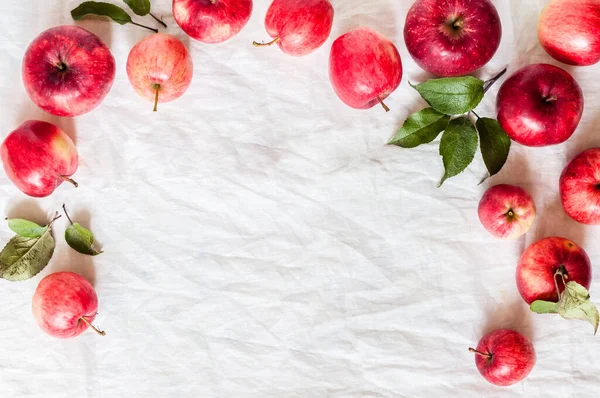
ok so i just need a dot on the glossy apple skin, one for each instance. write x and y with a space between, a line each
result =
506 211
580 187
568 31
36 156
541 260
59 302
160 59
301 27
364 65
212 21
512 357
540 105
87 76
452 37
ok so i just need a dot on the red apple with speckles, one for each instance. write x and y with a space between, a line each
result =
38 157
364 68
568 31
212 21
580 187
506 211
68 71
65 305
537 268
452 37
540 105
504 357
160 68
298 27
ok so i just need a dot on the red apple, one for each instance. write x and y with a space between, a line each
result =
364 68
506 211
65 305
568 31
38 157
68 71
452 37
298 28
540 105
212 21
580 187
537 268
504 357
160 68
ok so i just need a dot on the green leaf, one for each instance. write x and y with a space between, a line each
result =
81 240
420 128
458 147
452 95
544 307
112 11
23 258
495 144
575 303
139 7
26 229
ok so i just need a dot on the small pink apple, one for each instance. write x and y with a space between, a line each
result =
580 187
65 305
160 68
507 211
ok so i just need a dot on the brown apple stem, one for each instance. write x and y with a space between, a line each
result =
551 98
257 44
562 272
213 1
493 80
383 104
100 332
157 89
56 217
72 181
487 355
145 27
67 214
160 21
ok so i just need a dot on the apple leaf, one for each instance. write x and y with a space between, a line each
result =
544 307
458 147
81 240
575 303
452 95
26 229
100 9
495 144
139 7
420 128
23 258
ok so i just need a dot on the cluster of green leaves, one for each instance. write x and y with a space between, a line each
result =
116 13
449 100
31 249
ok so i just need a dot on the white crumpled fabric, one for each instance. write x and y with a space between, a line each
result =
262 241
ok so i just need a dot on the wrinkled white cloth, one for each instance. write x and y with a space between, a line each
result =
262 241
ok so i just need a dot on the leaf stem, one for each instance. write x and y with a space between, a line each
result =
145 27
100 332
385 107
257 44
56 217
67 214
475 113
72 181
493 80
486 355
160 21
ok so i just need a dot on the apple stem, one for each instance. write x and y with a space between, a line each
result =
160 21
145 27
257 44
157 88
67 214
493 80
562 272
487 355
551 98
383 104
100 332
213 1
67 179
56 217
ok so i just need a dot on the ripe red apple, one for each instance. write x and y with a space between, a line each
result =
504 357
212 21
38 157
298 28
568 31
160 68
65 305
452 37
536 271
364 68
68 71
580 187
540 105
506 211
